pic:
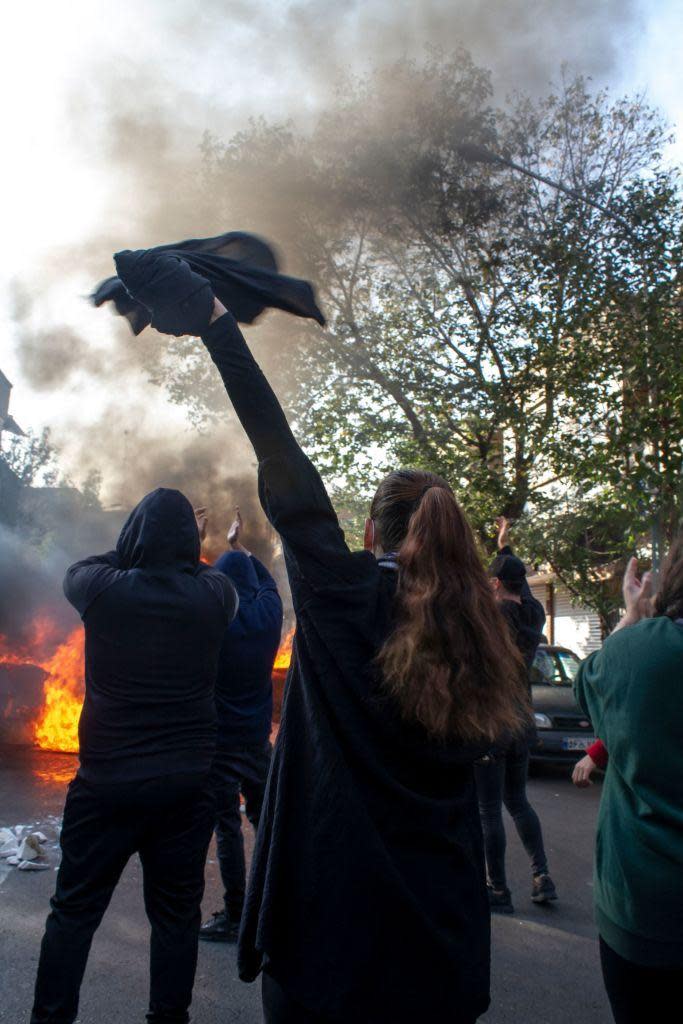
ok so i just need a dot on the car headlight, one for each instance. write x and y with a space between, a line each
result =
542 721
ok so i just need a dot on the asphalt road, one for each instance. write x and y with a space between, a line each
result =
545 960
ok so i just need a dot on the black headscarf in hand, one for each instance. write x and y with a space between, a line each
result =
243 274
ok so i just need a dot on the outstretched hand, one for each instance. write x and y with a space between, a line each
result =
235 529
235 533
201 516
583 769
503 525
637 592
637 595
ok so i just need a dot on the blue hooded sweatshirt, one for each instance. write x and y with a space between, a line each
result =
154 620
244 689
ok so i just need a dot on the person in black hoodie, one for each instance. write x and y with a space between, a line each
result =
154 621
244 702
367 898
502 777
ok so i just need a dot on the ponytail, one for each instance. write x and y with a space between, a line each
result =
450 663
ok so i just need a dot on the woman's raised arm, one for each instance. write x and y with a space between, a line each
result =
291 491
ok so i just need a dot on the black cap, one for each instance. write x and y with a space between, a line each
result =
508 569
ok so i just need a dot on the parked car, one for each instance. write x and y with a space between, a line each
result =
563 731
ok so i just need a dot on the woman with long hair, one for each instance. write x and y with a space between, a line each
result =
633 691
367 898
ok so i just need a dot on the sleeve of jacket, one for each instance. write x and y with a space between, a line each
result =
292 494
268 596
86 580
589 686
221 586
598 752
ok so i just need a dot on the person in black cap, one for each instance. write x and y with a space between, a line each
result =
501 778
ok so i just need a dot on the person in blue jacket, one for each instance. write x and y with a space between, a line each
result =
244 702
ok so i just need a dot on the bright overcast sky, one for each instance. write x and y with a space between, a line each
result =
65 67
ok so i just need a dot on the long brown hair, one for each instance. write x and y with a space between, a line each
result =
450 662
669 597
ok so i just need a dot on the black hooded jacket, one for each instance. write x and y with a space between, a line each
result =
154 620
367 898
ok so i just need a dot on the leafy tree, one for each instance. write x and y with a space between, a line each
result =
509 335
32 458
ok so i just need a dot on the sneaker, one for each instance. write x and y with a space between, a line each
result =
500 901
219 929
543 889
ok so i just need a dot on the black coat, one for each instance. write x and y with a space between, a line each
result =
367 898
154 621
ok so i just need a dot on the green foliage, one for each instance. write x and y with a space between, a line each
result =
32 458
514 338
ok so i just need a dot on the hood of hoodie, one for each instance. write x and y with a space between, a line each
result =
160 533
240 568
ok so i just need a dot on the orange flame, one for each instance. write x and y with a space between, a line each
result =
56 727
57 724
283 657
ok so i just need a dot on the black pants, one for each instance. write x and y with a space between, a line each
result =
639 994
238 770
278 1008
168 821
503 781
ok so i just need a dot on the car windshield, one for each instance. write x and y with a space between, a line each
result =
570 663
545 670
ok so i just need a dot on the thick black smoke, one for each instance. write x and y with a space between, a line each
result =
140 124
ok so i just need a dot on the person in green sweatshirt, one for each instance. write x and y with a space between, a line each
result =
632 690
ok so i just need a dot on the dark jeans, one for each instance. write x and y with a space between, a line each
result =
238 770
639 994
168 821
503 781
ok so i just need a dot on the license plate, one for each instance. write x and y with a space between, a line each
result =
577 742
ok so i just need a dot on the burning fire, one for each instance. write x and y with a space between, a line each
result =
56 727
283 657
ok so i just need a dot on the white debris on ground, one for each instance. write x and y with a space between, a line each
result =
23 848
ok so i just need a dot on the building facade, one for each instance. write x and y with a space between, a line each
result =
567 624
10 485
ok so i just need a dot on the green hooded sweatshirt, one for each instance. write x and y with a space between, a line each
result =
632 690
